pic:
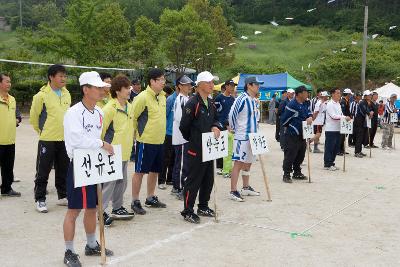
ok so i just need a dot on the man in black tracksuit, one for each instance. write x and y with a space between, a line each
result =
360 125
373 105
199 116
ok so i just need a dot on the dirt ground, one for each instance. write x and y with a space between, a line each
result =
347 219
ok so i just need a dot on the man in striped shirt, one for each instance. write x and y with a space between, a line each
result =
388 123
243 121
353 112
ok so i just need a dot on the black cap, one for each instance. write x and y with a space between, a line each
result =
358 94
228 82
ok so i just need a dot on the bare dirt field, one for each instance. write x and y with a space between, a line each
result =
341 219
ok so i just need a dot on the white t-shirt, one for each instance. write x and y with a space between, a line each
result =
82 128
321 109
333 116
180 102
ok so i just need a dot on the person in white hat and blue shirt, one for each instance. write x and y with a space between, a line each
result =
243 121
83 124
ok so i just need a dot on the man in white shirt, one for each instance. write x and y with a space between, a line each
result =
319 118
180 144
332 130
83 124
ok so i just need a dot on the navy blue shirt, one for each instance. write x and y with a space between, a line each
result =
223 104
293 116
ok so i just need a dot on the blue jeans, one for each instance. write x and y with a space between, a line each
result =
332 147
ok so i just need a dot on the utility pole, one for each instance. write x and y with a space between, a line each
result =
364 54
20 13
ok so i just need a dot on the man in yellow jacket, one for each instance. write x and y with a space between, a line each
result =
8 124
46 116
149 118
118 130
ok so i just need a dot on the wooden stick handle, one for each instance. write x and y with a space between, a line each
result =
265 178
308 160
101 224
215 193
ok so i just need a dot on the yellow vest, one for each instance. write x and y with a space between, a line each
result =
104 101
149 117
8 122
47 113
118 126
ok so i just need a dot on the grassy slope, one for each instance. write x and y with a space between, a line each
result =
7 40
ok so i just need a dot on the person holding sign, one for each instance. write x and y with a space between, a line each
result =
83 125
149 120
363 113
332 131
388 122
179 143
243 121
118 130
199 116
294 144
319 119
345 105
47 112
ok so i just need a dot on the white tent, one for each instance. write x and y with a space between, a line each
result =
386 91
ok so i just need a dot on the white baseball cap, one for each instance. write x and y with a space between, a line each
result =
92 78
290 90
347 91
206 76
324 93
367 92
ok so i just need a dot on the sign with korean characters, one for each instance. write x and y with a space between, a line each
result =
96 166
368 121
394 117
308 132
346 127
258 143
214 148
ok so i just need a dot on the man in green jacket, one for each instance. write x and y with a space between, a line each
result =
46 116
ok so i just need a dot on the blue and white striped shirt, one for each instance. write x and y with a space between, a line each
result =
243 116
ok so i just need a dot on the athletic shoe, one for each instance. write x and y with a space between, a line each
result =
107 220
374 146
174 191
299 176
154 203
287 179
367 146
340 154
190 217
249 191
62 202
41 207
179 195
136 206
206 212
235 195
162 186
219 172
96 251
364 155
71 259
227 175
331 168
11 193
122 214
317 150
358 155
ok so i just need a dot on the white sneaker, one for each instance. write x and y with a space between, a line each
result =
235 195
62 202
219 172
331 168
249 191
41 206
162 186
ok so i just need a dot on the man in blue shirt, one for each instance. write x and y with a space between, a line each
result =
165 176
223 103
294 146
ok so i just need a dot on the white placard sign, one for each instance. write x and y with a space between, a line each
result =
368 121
394 117
308 132
214 148
96 166
258 143
346 127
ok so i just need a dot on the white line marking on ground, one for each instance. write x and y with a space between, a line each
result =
157 244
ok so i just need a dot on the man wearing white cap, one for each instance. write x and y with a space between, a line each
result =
345 105
83 125
319 118
360 124
199 116
387 123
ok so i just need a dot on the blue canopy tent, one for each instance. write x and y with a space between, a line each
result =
273 84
